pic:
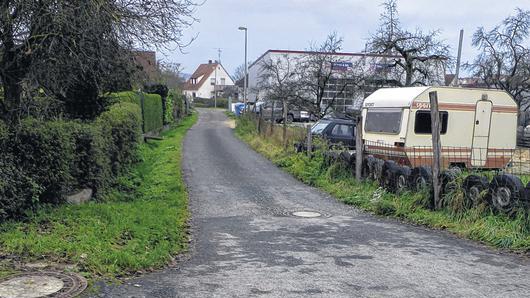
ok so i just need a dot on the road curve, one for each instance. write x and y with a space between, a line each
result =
247 244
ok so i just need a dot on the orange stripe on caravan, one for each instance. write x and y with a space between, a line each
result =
429 149
456 107
500 109
463 107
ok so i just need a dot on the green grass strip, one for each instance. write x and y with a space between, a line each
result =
140 226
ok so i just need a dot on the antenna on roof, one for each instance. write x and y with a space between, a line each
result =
219 51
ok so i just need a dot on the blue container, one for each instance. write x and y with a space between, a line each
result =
239 108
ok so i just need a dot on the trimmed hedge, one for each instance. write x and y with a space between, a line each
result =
153 113
43 161
122 124
17 191
91 165
44 152
152 110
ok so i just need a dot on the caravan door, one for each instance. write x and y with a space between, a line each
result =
481 133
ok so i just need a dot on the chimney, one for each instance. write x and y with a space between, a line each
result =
209 61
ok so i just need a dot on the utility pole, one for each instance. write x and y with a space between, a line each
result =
219 50
245 87
458 59
436 149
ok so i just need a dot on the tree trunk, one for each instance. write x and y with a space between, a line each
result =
12 95
408 73
285 107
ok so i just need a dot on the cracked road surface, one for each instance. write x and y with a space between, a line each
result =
246 244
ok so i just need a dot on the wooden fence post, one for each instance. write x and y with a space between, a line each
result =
436 148
272 118
359 148
260 119
309 141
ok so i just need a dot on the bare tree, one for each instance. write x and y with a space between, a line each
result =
170 74
279 81
60 45
326 77
239 73
504 59
421 57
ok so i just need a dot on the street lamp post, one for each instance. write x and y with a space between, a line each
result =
245 86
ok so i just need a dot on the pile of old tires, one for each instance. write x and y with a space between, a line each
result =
505 193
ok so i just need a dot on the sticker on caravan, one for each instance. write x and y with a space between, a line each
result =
422 105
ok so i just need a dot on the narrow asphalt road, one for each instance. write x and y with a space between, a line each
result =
246 243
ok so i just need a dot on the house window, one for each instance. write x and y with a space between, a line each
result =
383 120
422 125
212 81
193 81
223 81
194 94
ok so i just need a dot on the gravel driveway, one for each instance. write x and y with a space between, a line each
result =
246 243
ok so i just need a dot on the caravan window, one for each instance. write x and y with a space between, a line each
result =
384 120
422 125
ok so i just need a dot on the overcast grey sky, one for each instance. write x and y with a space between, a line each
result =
293 24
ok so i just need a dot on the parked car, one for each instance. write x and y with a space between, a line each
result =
293 115
336 131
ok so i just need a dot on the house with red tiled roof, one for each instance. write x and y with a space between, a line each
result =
207 80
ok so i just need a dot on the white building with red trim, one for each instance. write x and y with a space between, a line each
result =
207 80
377 67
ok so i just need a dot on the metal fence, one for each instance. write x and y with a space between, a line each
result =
509 160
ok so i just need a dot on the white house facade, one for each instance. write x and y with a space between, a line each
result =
207 80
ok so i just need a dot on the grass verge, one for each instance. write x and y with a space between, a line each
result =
141 226
478 223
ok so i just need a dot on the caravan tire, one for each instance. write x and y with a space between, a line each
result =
387 174
448 178
420 178
345 157
378 169
367 164
507 193
401 178
474 188
353 160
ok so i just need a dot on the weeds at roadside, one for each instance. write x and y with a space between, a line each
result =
474 222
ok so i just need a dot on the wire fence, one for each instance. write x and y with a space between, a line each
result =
295 133
509 160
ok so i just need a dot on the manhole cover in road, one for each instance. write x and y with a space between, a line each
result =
307 214
42 284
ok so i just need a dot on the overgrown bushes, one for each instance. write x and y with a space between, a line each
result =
174 107
43 161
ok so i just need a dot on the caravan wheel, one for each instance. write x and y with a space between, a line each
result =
449 184
474 189
378 169
387 174
368 165
401 179
507 193
420 178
